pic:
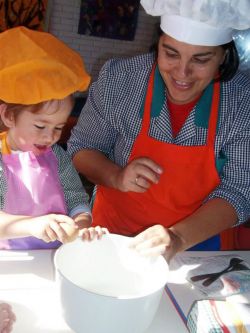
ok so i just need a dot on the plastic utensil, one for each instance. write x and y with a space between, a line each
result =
237 267
234 261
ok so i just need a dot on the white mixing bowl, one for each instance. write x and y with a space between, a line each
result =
107 288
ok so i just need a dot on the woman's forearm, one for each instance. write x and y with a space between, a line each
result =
96 167
210 219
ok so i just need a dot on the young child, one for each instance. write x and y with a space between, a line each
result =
7 318
42 200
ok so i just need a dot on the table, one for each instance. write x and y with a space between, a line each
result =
27 282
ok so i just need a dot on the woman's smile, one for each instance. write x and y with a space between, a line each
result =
181 85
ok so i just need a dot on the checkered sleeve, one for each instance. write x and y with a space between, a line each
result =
93 119
3 185
75 195
110 119
235 178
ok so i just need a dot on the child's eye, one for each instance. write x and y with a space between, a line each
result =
39 127
58 128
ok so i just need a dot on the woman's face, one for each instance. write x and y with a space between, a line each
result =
187 69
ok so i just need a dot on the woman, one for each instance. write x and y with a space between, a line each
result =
166 137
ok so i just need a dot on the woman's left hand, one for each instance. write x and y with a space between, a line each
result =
156 240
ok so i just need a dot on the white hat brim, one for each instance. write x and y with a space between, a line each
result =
193 32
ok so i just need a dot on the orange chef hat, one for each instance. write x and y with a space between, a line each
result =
35 66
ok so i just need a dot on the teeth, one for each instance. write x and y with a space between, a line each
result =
181 83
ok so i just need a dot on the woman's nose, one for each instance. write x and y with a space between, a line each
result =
183 69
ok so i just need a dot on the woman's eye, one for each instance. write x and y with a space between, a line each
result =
201 61
58 128
39 127
171 55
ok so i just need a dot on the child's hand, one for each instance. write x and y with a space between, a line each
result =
7 318
72 232
89 234
54 227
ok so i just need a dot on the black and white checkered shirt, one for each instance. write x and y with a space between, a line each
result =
111 120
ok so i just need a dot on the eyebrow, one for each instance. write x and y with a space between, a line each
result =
166 46
48 122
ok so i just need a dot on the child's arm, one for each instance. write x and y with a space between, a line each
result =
49 227
75 195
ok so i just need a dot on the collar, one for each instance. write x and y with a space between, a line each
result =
202 108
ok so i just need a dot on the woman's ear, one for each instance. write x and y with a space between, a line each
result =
7 118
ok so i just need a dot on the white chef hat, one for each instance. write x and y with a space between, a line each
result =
200 22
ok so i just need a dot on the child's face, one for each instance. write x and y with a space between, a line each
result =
37 131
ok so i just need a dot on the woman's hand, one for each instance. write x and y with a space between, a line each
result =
138 175
54 227
155 241
7 318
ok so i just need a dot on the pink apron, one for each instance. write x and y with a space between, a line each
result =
33 189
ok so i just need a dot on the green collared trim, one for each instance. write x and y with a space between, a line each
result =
203 107
158 95
202 111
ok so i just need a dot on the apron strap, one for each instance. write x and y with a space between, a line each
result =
148 103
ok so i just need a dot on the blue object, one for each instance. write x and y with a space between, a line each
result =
211 244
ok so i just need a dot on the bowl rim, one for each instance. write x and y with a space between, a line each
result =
159 288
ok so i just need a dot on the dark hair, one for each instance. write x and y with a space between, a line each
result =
157 35
230 65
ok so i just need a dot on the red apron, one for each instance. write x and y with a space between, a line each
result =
189 176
